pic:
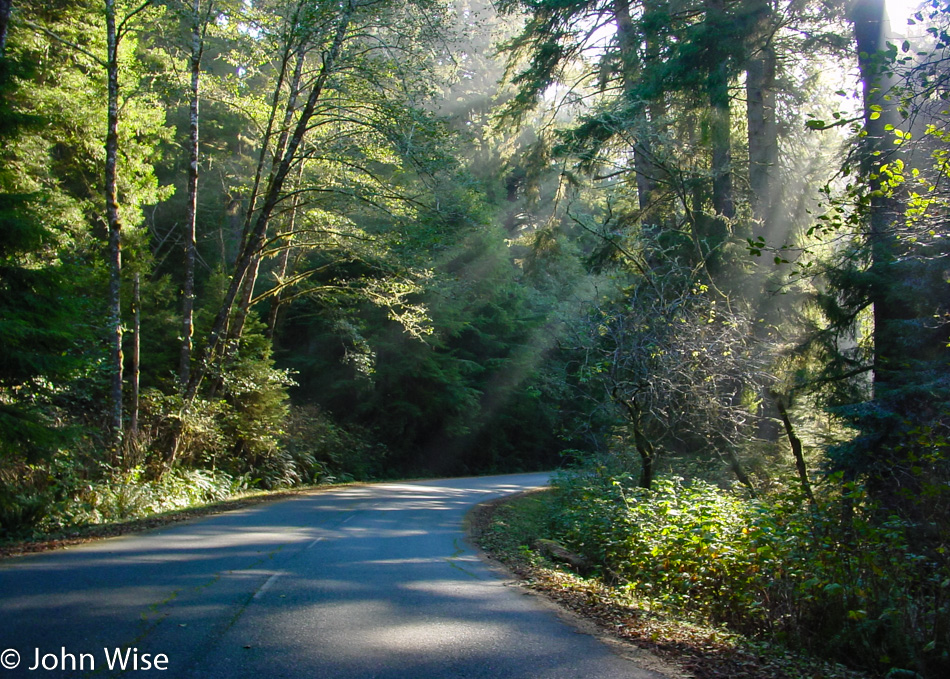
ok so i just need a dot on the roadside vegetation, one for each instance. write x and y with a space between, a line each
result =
724 586
77 493
78 533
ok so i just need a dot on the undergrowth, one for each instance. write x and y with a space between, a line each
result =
82 485
778 570
131 496
863 591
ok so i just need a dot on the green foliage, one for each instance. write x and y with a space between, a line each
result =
203 437
328 452
129 495
71 490
515 525
22 505
681 545
467 397
39 319
679 363
256 393
876 354
238 430
863 590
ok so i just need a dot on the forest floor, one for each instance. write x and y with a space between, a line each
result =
507 528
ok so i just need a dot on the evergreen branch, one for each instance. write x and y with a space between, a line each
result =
60 39
120 29
818 381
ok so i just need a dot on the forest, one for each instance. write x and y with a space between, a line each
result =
692 252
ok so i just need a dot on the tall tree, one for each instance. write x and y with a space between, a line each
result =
761 115
869 18
880 360
110 187
559 38
629 41
271 196
198 21
340 135
39 316
717 85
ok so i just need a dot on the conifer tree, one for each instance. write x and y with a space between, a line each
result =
38 318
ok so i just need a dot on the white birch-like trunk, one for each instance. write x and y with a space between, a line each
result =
188 285
114 226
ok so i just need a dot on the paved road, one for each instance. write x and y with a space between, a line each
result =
358 582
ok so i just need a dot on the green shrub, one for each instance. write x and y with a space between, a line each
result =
686 546
859 588
856 590
130 495
21 511
33 495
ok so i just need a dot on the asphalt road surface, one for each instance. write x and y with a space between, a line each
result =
360 582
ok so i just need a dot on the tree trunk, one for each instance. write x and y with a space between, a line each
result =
290 49
735 464
272 197
656 106
629 41
188 287
284 261
644 448
274 313
236 328
114 225
135 362
235 325
6 7
869 18
717 86
796 443
763 130
647 457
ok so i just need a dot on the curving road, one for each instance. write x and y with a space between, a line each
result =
356 582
